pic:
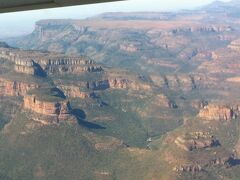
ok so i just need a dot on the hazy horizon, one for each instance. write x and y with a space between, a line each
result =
20 23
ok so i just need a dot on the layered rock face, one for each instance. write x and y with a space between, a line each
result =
196 140
225 161
76 92
129 47
194 168
31 62
174 82
69 65
122 83
217 112
26 67
56 26
235 45
57 109
204 29
72 69
15 88
117 83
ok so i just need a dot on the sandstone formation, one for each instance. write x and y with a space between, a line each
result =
76 92
60 110
176 82
192 168
118 83
129 47
26 66
196 140
30 62
15 88
122 83
224 161
235 45
207 28
217 112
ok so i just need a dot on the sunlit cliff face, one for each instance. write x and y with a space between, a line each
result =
123 96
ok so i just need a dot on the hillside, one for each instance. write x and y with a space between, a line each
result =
123 96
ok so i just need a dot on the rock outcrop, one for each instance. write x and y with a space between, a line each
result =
217 112
129 47
76 92
31 62
204 29
27 66
196 140
60 110
235 45
176 82
123 83
192 168
224 161
15 88
118 83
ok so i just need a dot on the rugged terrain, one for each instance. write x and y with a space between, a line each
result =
123 96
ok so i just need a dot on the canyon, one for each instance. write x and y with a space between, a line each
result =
123 96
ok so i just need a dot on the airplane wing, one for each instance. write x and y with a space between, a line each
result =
22 5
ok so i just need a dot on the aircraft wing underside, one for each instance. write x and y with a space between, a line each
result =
21 5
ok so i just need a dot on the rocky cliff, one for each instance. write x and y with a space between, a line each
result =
217 112
15 88
122 83
38 63
26 66
196 140
235 45
60 110
176 82
76 92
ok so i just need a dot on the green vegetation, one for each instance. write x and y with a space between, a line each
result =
47 94
127 133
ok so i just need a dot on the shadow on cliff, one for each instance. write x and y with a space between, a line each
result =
39 71
234 162
81 117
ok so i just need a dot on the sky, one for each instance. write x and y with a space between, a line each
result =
19 23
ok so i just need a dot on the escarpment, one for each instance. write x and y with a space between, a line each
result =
38 63
156 93
15 88
192 145
129 47
217 112
58 109
196 141
77 92
203 29
49 103
122 83
176 82
235 45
